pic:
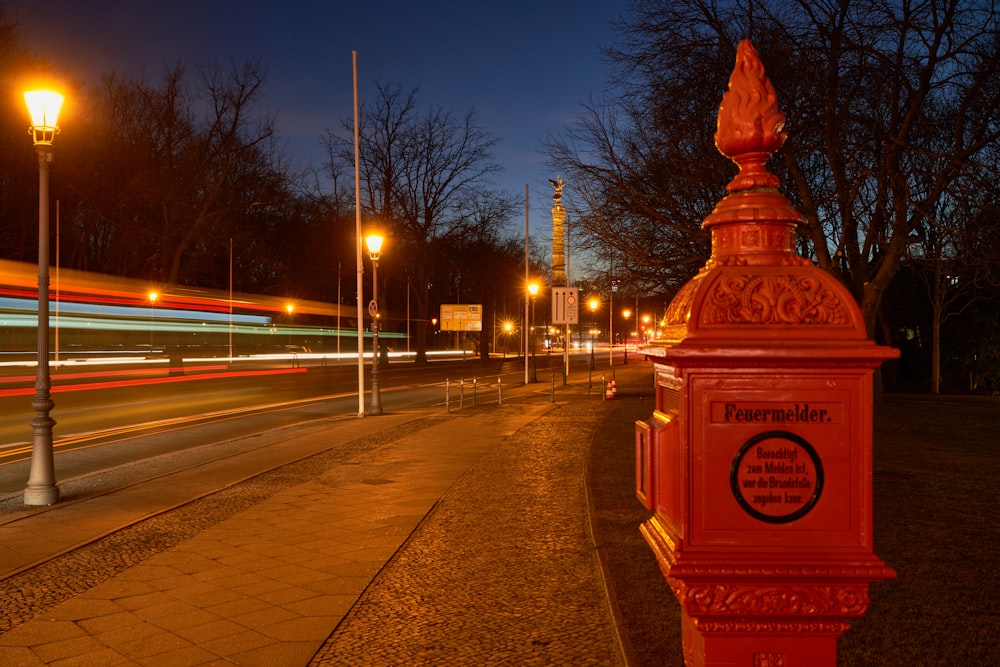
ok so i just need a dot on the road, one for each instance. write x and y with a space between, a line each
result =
112 416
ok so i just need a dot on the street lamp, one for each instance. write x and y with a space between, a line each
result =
374 243
152 296
43 106
625 315
290 310
593 303
532 292
508 329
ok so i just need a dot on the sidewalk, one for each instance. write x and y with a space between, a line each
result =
411 538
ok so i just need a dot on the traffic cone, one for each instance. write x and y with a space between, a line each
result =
610 391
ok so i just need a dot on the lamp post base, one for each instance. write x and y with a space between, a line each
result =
41 488
41 496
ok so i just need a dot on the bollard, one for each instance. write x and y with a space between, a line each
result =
461 393
552 379
499 391
475 386
447 395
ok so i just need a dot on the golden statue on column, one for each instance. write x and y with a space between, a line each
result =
558 235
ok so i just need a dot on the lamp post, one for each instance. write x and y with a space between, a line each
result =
290 310
43 106
374 243
532 292
625 315
593 303
152 296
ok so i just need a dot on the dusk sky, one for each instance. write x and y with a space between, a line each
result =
524 65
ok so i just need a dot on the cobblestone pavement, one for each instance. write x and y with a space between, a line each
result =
503 571
445 539
39 589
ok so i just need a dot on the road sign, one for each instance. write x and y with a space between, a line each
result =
565 305
461 317
372 308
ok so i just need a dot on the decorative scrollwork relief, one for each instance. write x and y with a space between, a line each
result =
780 627
768 660
680 306
764 600
783 299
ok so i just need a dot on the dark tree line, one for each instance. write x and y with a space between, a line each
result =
174 179
893 112
425 178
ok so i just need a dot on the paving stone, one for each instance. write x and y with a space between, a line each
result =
464 550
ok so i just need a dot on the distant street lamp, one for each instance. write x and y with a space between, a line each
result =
533 292
43 106
593 303
152 296
374 243
508 329
625 315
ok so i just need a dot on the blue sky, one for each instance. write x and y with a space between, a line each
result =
523 65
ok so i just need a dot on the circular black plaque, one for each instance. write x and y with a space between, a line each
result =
776 477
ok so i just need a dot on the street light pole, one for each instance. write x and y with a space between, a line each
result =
152 296
593 313
532 293
374 242
625 314
44 108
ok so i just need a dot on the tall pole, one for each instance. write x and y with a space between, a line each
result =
230 299
357 225
57 284
534 365
375 407
569 331
526 278
42 489
611 327
611 317
339 305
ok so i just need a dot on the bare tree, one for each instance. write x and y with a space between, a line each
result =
890 104
19 174
167 171
424 173
955 257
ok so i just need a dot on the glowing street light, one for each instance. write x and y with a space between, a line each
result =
508 329
43 107
290 310
532 293
625 315
374 243
152 295
593 304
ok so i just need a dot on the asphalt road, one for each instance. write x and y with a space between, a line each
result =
112 416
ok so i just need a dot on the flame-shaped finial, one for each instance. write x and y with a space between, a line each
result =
751 126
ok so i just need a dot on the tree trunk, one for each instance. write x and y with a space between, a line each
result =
936 347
